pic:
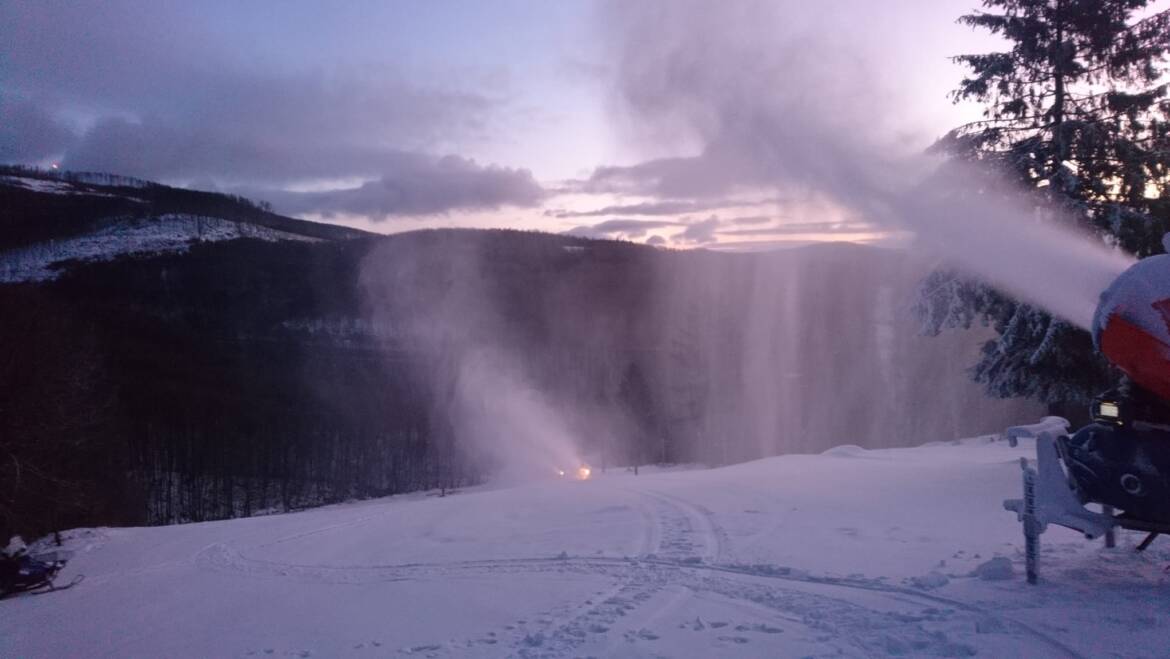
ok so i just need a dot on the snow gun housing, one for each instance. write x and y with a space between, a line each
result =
1132 324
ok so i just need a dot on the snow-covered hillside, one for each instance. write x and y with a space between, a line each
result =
63 187
151 235
850 553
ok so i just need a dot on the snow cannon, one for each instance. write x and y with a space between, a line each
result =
1122 459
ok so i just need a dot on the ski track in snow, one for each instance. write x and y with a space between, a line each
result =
684 546
820 606
685 524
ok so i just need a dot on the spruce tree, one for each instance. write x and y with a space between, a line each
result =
1077 111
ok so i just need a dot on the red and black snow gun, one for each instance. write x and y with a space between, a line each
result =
1122 459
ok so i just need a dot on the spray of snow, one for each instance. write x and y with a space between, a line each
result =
800 350
501 413
768 104
486 409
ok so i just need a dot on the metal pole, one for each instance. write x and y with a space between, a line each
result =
1031 532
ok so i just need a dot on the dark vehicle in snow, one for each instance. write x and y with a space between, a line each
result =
22 573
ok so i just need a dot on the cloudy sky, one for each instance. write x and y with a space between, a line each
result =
635 120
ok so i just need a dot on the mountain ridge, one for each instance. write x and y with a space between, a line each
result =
44 204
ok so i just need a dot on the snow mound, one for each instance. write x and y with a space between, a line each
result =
846 451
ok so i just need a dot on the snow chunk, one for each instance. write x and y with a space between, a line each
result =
997 569
930 581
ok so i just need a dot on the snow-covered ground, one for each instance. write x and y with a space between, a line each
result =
851 553
150 235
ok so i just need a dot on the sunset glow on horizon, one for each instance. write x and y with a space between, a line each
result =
394 117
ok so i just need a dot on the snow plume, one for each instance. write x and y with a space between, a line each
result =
487 416
800 350
768 103
503 415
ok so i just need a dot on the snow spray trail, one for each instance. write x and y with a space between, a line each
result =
1002 242
771 106
486 408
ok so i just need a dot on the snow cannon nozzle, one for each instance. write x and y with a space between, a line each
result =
1132 324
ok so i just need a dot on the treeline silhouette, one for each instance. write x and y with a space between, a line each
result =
226 381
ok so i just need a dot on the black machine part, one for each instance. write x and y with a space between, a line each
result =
1126 466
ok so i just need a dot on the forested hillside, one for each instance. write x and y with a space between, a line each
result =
249 375
42 205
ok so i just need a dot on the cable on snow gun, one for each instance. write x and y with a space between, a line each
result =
1122 459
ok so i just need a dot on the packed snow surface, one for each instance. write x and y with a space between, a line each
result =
851 553
150 235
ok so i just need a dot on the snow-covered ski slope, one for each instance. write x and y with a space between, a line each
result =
141 236
851 553
51 186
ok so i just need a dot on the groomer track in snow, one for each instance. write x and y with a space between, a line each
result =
849 553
